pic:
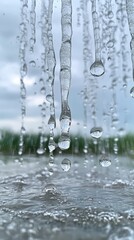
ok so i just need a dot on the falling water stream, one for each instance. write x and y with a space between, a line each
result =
77 182
23 69
65 72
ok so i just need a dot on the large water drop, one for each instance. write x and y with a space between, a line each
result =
96 132
97 69
51 145
40 151
66 164
64 142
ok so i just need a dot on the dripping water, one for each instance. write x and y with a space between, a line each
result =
51 63
121 17
86 53
44 75
97 68
33 27
23 69
65 72
130 14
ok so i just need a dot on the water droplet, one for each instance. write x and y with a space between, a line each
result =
40 151
64 142
105 161
51 160
110 44
115 120
51 122
23 70
110 14
49 98
66 164
42 90
50 188
20 151
32 42
32 63
65 123
23 130
132 92
51 171
96 132
97 69
51 145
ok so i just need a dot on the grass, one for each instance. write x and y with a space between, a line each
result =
9 144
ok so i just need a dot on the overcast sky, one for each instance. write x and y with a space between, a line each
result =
10 114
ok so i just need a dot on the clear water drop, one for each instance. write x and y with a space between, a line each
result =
49 98
23 130
132 92
23 70
64 142
97 69
110 14
65 123
32 63
51 145
66 164
96 132
110 44
20 151
40 151
42 90
105 161
51 122
51 160
51 171
121 131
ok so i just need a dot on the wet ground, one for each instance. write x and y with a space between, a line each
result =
88 201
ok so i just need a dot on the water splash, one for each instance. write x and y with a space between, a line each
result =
105 161
65 72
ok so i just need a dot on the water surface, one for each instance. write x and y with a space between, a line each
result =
39 201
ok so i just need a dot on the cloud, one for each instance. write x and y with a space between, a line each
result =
10 114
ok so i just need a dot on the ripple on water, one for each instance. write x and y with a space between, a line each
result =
122 233
119 184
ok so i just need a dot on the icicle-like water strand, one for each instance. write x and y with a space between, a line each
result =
65 72
121 17
23 69
130 14
84 7
97 68
51 63
32 24
44 73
